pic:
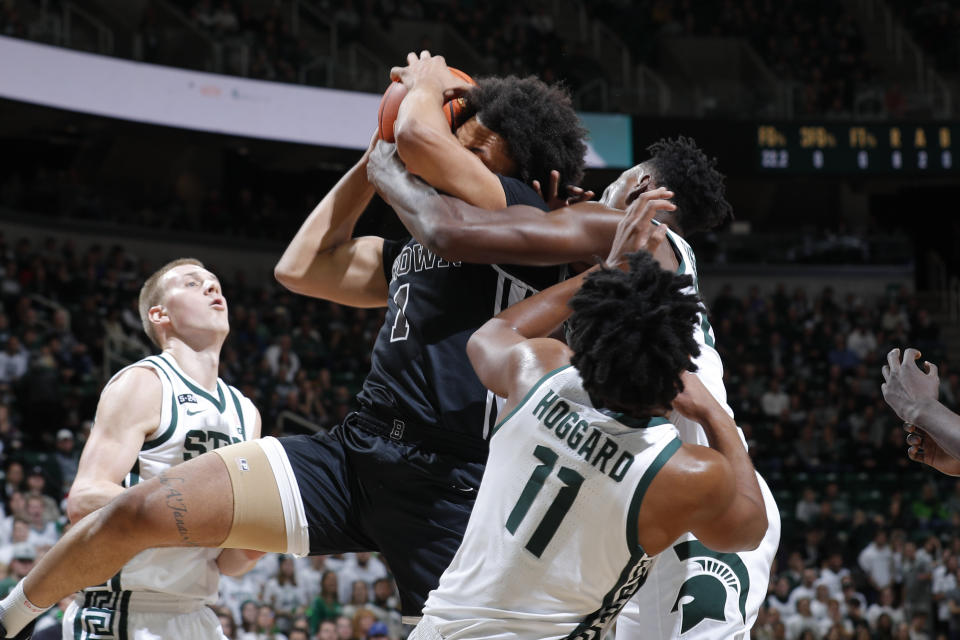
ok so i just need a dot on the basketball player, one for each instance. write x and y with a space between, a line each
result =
400 475
664 606
695 591
933 430
153 415
587 481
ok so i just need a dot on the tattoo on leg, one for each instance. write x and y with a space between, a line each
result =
179 508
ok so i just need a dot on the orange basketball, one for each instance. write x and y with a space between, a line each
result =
396 92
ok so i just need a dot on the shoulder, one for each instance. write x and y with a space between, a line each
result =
517 192
138 380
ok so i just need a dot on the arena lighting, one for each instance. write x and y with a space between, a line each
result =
155 94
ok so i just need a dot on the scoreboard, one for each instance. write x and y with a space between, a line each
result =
857 148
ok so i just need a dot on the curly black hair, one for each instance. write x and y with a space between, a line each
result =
538 123
632 335
700 194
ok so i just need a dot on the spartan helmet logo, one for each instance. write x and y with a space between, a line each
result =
715 577
701 597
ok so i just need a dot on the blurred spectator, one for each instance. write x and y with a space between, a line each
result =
861 340
13 478
952 599
264 627
884 607
775 401
13 361
386 606
358 600
282 592
327 631
378 631
917 579
326 606
833 574
944 582
67 458
363 621
43 532
227 623
36 488
344 628
801 621
876 560
807 506
362 566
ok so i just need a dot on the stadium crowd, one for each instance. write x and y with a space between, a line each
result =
934 24
869 546
818 46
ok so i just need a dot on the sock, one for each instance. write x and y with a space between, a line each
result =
17 612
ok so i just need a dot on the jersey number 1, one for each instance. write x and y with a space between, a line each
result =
556 511
401 329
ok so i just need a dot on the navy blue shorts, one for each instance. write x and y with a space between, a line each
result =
363 491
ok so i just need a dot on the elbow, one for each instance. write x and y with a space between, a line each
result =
755 530
414 144
75 509
290 278
758 534
284 275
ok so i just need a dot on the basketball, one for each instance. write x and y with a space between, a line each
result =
394 95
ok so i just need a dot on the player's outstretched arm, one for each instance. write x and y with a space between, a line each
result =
509 352
128 412
912 394
519 234
324 260
934 430
424 140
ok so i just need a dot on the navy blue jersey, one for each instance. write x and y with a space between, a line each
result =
420 371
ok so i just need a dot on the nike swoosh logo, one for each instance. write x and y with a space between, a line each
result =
193 413
464 489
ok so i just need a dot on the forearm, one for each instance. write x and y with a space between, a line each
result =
539 315
90 497
458 231
329 225
236 562
939 422
422 131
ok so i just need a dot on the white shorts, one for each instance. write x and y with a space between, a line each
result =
695 593
108 624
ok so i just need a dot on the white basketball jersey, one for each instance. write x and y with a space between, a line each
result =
694 592
551 547
192 422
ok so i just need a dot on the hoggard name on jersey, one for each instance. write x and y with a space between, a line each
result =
581 438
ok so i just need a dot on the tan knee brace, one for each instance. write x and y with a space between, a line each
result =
258 521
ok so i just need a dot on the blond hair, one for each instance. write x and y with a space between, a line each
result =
151 294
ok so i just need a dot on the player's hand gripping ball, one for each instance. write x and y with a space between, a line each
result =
397 91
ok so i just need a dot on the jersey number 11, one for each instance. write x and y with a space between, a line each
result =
556 511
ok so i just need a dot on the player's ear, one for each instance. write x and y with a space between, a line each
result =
157 315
